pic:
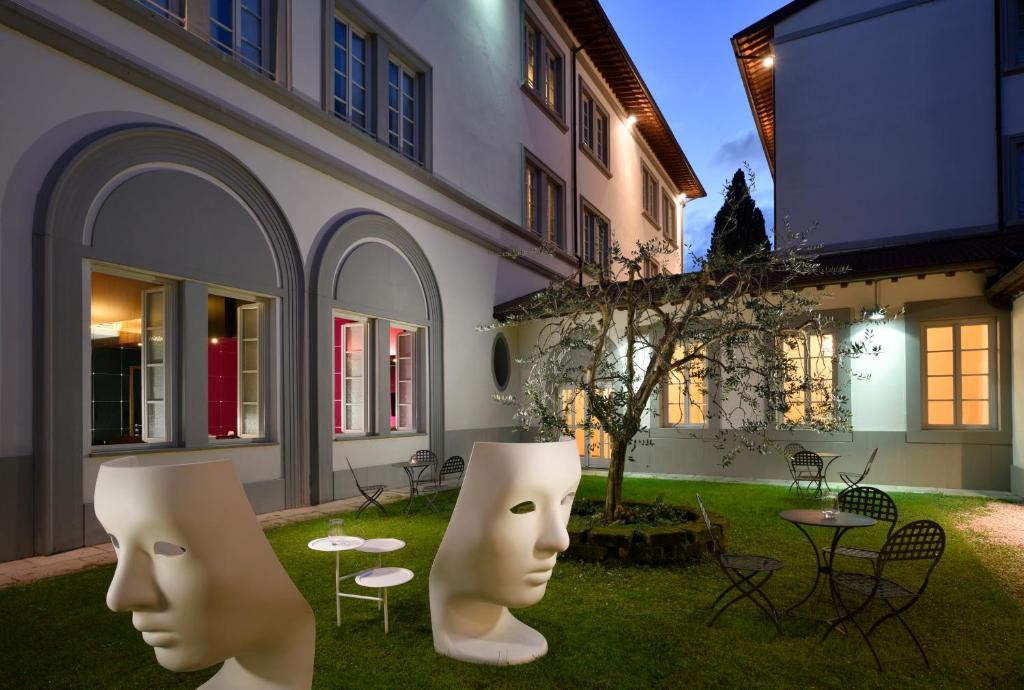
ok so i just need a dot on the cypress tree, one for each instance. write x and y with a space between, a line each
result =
739 224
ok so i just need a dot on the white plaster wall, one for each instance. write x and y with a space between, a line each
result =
44 121
884 127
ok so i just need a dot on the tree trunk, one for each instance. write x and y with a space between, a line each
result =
616 468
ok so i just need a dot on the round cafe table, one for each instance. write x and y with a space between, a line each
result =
337 545
840 524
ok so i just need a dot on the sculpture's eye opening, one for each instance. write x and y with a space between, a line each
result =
568 499
166 548
113 540
524 507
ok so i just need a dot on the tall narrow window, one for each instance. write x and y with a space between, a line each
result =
554 212
650 195
668 218
403 107
351 74
531 194
591 444
596 238
958 372
239 27
350 384
684 398
234 367
593 127
128 366
403 378
810 379
543 68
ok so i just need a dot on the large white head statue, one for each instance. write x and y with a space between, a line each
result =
199 577
508 526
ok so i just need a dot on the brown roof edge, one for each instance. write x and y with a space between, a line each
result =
593 30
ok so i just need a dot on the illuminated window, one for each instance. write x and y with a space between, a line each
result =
591 444
684 394
350 334
958 370
543 67
810 380
129 359
235 352
596 238
402 349
543 202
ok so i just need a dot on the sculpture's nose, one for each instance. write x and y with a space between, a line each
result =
553 537
134 586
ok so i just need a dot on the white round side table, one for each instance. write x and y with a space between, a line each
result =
381 579
337 545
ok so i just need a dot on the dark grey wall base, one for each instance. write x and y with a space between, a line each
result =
981 466
1017 479
16 508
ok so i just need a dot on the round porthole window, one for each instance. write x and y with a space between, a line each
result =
501 361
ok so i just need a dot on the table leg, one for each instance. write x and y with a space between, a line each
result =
412 489
824 473
380 563
817 572
337 586
386 611
831 590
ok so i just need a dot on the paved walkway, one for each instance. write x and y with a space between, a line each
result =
37 568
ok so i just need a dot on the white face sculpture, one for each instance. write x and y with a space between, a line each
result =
511 523
188 546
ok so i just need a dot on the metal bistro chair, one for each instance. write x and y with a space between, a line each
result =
851 479
742 572
791 449
371 492
454 466
806 467
426 474
870 502
923 541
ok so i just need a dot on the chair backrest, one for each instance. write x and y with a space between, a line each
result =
870 502
922 540
792 449
424 457
353 475
806 459
867 467
707 523
454 465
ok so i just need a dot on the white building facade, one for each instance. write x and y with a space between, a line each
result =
268 230
893 130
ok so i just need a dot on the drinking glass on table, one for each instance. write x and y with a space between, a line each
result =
829 505
336 531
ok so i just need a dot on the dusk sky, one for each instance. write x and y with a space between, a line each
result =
682 49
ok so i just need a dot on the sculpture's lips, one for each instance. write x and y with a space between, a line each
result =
159 638
538 577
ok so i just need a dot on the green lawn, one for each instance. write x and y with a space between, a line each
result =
635 627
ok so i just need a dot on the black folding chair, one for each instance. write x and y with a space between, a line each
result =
425 475
806 467
743 572
852 479
370 492
791 449
923 541
453 467
870 502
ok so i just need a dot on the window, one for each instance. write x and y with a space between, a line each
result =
241 28
402 349
958 370
668 218
129 359
351 74
403 111
650 195
1013 33
501 361
591 444
684 394
168 9
542 68
593 128
350 380
651 268
596 238
810 377
235 369
543 202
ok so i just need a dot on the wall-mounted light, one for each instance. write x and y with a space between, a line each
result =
631 120
768 62
682 199
214 341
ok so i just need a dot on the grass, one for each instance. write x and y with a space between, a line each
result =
635 627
